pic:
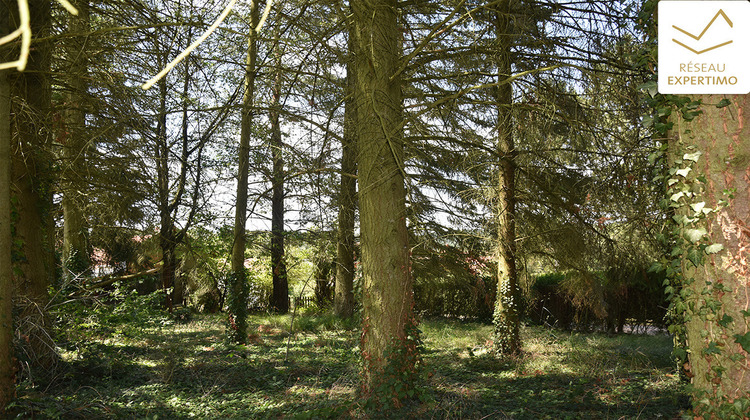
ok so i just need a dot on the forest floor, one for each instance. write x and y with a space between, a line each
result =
131 362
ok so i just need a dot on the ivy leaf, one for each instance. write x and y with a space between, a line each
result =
676 196
725 320
743 340
698 207
656 155
647 122
690 115
664 111
714 248
651 87
663 128
695 235
679 353
676 251
724 102
656 267
692 156
683 172
694 256
712 349
745 313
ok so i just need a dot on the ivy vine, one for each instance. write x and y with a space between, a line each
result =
687 243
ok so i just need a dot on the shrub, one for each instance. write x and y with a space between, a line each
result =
608 299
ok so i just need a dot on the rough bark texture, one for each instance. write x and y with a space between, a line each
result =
721 290
75 253
166 224
387 299
322 280
240 214
280 295
7 374
32 182
344 294
506 317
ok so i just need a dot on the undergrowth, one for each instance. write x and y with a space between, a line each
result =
133 360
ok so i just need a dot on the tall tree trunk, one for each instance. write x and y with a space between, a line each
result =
169 235
389 328
322 277
238 286
32 182
7 374
718 291
75 253
506 317
280 295
166 225
344 294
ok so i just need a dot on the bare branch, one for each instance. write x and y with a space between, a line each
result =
24 31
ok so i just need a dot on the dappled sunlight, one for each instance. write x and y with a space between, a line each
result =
188 370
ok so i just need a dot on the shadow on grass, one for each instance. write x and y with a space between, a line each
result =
188 371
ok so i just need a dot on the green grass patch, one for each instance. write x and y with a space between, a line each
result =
145 366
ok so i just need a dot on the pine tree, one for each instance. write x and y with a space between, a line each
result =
710 189
389 329
7 373
32 177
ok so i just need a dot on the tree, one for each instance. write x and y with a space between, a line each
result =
544 143
344 293
177 132
507 310
238 286
7 373
32 177
280 293
103 180
75 252
710 191
389 329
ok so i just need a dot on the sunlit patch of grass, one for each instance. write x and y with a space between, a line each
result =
170 370
454 334
558 375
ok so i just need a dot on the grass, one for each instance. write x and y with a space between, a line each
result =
152 367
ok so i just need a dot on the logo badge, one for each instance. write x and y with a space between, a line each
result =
704 47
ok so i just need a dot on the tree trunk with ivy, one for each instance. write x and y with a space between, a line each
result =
32 182
7 374
238 288
389 337
710 186
506 317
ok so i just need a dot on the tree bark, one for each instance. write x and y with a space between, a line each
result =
344 294
7 373
75 253
506 317
238 293
387 301
32 181
717 321
280 295
322 277
166 224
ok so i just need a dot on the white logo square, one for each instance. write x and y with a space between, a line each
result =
704 47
